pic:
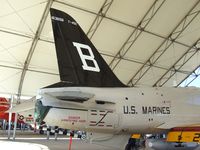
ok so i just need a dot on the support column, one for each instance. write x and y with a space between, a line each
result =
15 126
10 117
4 125
48 132
56 133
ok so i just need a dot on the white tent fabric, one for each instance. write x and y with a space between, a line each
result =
151 43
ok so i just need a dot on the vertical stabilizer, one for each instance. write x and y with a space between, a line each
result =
79 62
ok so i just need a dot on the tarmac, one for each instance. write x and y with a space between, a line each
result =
34 139
60 144
51 144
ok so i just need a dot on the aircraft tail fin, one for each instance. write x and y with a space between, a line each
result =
80 64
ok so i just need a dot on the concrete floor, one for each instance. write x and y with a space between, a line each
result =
77 144
63 142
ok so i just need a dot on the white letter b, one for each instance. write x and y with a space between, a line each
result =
84 57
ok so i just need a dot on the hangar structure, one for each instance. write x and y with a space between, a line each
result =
145 42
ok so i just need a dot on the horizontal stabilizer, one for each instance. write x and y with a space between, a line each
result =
73 96
25 106
76 96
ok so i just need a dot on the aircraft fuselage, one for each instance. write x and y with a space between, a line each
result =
132 110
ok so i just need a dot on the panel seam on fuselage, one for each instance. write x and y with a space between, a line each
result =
68 108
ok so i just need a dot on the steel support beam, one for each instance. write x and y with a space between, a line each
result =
120 22
18 68
176 32
34 43
44 40
97 21
179 63
49 41
136 32
194 75
24 35
104 54
16 33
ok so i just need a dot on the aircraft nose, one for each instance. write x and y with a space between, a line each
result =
40 111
